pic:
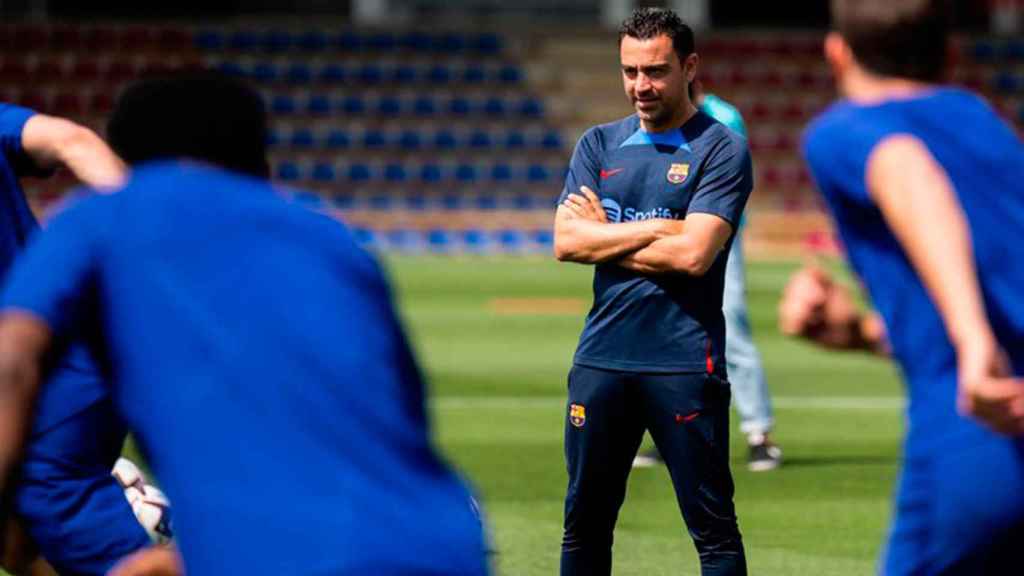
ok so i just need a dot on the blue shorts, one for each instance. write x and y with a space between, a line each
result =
75 511
959 508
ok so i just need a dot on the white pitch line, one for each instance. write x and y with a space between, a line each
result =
880 403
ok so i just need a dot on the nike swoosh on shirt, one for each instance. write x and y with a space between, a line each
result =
610 173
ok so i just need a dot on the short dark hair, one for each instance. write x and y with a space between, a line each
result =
647 23
899 38
200 115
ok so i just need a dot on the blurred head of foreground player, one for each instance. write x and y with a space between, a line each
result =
881 46
198 115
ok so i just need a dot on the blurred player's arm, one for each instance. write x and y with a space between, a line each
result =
919 204
152 561
583 233
818 309
51 142
24 340
692 251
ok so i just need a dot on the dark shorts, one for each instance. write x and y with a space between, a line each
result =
72 507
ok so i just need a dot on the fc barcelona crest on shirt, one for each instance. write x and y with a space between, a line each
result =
677 173
577 415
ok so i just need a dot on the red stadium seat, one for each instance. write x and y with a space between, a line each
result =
85 69
135 38
34 99
30 38
121 70
100 102
100 40
14 69
65 37
68 103
173 39
49 69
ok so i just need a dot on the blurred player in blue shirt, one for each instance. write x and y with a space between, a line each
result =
652 201
252 348
73 510
924 182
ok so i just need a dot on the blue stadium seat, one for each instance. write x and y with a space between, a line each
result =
374 139
465 173
395 173
298 73
210 40
431 173
480 140
282 104
439 74
409 140
445 140
475 240
302 138
389 106
273 138
264 72
359 173
1014 50
486 201
318 105
311 41
288 171
324 172
381 201
338 139
353 105
542 237
439 240
523 202
501 173
343 201
416 202
232 69
552 140
531 108
515 140
332 74
459 106
424 106
537 173
510 74
404 74
449 43
404 240
452 201
243 40
381 42
511 240
486 44
984 51
494 106
1005 83
276 41
474 74
370 74
415 42
349 42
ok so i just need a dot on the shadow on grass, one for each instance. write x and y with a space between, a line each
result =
847 460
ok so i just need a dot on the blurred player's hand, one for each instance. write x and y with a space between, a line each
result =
803 303
152 561
986 392
586 205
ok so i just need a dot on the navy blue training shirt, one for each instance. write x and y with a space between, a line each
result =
667 322
984 160
74 383
253 349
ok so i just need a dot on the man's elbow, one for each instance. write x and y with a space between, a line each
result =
565 251
693 264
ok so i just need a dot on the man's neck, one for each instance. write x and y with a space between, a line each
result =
686 112
865 88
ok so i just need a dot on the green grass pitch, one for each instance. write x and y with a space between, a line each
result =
495 337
